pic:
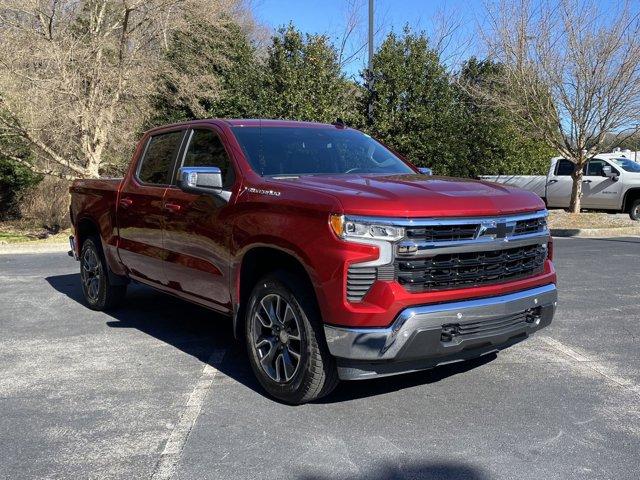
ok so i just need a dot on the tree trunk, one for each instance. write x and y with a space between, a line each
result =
576 189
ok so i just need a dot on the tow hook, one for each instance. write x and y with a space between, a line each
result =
448 332
533 315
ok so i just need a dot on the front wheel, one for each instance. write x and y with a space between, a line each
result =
285 340
634 211
96 287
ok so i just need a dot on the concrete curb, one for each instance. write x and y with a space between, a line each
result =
596 232
33 247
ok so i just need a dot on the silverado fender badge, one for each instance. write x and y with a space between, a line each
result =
260 191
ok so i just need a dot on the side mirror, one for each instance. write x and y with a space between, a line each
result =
200 180
607 171
425 171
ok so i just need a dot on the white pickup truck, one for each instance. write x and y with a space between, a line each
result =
608 184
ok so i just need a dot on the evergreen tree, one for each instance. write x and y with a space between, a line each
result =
303 80
415 109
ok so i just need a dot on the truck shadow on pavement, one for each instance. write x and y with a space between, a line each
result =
199 332
422 471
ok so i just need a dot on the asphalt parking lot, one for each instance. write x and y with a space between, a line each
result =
158 389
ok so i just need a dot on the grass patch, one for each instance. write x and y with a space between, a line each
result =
13 237
559 219
13 232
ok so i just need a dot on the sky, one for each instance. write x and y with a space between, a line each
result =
329 17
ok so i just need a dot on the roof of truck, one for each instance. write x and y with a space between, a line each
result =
257 122
252 122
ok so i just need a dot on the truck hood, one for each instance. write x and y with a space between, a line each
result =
419 195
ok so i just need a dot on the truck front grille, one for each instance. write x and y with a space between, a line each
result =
442 233
470 269
531 225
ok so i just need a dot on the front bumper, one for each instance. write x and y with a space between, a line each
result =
426 336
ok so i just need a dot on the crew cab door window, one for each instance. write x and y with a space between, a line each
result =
206 150
564 168
158 158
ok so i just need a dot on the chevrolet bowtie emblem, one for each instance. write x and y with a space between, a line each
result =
493 229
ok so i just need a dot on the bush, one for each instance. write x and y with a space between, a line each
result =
14 181
47 205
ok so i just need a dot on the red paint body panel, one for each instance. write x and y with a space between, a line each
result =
193 245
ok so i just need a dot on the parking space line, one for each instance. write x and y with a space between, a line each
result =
172 451
591 363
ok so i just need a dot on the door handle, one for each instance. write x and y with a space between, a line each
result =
125 202
586 181
552 181
172 207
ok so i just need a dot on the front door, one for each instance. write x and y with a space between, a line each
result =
140 209
197 233
559 184
598 191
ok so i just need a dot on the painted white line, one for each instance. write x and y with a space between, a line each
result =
592 363
172 451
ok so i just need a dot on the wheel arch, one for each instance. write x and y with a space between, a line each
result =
85 228
256 262
630 196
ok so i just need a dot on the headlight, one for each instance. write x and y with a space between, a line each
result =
347 228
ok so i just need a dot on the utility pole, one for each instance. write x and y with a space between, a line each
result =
370 63
635 153
370 33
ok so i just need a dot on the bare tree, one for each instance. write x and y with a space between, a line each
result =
572 68
75 75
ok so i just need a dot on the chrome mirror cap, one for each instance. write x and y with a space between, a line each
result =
200 180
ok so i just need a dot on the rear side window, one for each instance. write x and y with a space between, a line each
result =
564 167
158 158
206 150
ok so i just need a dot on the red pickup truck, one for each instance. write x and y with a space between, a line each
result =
335 257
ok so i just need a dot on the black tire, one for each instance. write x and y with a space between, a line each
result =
314 375
634 211
99 293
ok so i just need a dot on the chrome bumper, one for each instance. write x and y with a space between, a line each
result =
426 336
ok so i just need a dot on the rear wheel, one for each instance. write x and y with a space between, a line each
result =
634 211
285 340
96 287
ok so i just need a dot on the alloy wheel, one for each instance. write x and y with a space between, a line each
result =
91 274
276 338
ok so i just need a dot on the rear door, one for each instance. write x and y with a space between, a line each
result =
197 233
559 184
598 191
140 209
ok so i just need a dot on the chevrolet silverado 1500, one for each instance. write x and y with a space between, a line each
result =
335 258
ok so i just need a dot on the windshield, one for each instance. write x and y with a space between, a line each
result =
628 165
281 151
